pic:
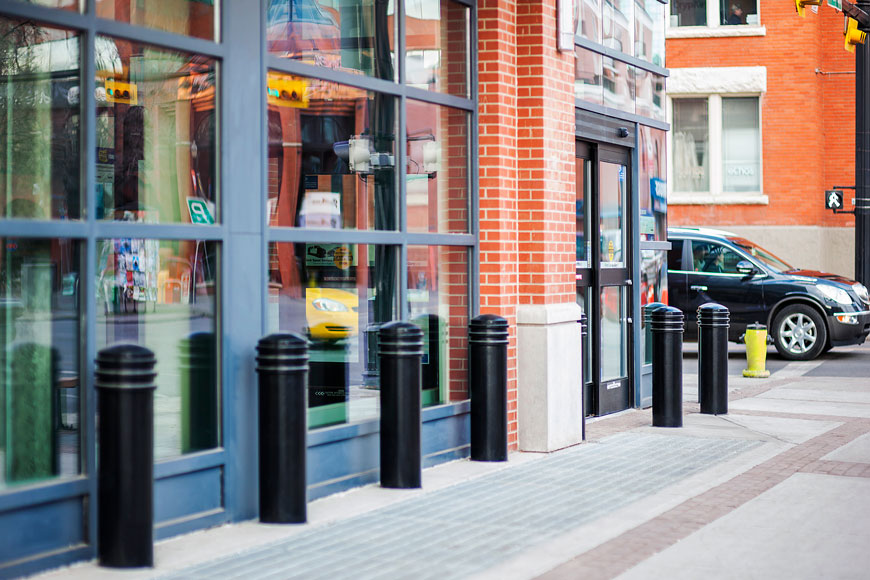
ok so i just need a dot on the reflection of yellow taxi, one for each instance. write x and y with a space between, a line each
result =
331 313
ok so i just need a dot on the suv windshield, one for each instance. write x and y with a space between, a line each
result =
761 254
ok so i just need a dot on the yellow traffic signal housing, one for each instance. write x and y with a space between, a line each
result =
853 35
287 92
123 93
799 5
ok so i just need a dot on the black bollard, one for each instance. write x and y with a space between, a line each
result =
647 319
487 371
584 372
667 388
713 321
282 367
124 379
400 348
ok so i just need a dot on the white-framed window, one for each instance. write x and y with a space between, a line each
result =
715 145
694 18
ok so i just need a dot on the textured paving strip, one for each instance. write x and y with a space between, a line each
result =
619 554
469 527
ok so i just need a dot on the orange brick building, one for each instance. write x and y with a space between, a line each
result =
803 82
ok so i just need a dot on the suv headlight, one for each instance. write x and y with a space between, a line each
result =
861 291
835 294
329 305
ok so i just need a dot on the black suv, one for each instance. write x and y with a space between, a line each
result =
806 312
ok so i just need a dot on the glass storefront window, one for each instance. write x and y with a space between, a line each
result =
652 184
197 18
353 35
39 121
163 295
588 76
691 145
336 295
332 151
649 31
617 25
436 46
618 85
39 365
613 333
583 172
438 304
71 5
588 19
689 13
156 134
741 144
612 199
650 99
437 176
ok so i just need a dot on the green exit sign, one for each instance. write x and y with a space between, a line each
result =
200 212
836 4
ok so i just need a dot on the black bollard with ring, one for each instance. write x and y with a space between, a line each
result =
400 348
666 325
124 378
585 372
713 322
487 371
282 368
648 309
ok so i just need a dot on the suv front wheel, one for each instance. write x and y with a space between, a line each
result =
799 332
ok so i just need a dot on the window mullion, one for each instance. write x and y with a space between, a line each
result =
714 118
713 17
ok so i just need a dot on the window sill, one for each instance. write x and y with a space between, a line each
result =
716 31
717 199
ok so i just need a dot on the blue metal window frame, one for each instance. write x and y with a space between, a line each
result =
242 233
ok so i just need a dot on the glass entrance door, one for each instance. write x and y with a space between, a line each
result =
603 280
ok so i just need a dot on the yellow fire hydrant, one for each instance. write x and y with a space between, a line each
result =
756 351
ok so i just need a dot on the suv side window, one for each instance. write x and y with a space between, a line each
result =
710 257
675 255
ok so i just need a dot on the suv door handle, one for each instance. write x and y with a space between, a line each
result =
699 288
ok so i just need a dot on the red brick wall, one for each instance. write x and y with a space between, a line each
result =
808 119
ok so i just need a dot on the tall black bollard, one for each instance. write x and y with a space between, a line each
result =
282 366
124 379
400 348
584 372
667 388
647 320
713 321
487 371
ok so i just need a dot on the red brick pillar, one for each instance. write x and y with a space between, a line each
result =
497 141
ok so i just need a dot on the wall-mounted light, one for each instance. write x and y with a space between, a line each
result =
622 132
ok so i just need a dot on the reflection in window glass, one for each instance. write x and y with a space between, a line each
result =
437 177
613 185
162 295
653 288
650 97
39 364
741 147
588 79
652 184
332 154
618 85
688 12
613 352
156 135
438 303
190 17
617 25
337 295
587 15
583 171
691 145
738 12
352 35
71 5
436 46
39 121
649 31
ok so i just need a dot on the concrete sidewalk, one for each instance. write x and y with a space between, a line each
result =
778 488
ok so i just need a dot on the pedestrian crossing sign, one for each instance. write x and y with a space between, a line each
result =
834 199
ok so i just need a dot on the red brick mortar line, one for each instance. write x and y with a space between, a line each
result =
619 554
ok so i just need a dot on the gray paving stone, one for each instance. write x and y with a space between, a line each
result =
466 528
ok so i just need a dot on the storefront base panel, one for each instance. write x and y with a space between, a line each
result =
187 495
41 536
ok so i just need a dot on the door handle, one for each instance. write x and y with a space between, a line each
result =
699 288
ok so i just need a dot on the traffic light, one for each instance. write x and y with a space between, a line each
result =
853 35
122 93
799 5
287 92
